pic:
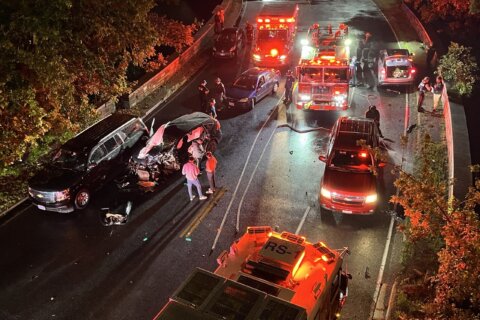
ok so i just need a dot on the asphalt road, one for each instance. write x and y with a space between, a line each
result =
57 266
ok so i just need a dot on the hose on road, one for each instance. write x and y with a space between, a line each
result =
302 131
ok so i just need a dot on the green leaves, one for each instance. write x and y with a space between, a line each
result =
460 68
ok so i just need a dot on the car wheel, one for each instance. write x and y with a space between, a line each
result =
82 199
212 146
252 104
275 89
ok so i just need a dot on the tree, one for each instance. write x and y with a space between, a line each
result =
58 57
460 68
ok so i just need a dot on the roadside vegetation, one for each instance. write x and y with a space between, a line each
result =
441 258
62 59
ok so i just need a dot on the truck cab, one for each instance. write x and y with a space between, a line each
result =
276 28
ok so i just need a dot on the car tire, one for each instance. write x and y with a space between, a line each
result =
82 199
212 146
252 104
274 89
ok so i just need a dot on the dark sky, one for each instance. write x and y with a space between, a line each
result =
187 10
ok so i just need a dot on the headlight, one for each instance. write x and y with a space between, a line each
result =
371 198
61 195
304 42
325 193
243 100
283 57
304 97
256 57
340 97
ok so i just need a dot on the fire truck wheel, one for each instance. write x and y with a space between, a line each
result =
275 89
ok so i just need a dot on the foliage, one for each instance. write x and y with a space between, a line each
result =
435 227
58 58
459 67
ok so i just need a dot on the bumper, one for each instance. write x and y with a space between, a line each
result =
395 82
62 207
320 107
365 209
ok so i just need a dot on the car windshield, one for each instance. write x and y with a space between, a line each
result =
69 160
266 35
227 37
359 161
247 82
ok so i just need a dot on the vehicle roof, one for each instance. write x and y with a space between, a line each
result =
278 9
352 129
92 135
186 123
230 30
256 71
396 52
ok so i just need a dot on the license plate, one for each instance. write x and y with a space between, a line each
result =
346 211
41 207
231 104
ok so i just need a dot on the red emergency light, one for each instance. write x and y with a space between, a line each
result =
362 154
267 20
282 20
260 20
291 20
274 52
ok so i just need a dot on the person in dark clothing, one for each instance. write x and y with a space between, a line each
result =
219 93
212 111
423 87
290 80
203 94
373 113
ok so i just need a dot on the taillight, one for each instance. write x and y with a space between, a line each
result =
383 71
362 154
413 70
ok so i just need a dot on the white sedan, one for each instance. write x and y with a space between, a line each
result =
395 67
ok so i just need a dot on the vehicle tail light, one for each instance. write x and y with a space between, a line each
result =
412 71
362 154
383 71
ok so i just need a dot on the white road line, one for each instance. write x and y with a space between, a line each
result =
219 230
250 180
303 220
392 220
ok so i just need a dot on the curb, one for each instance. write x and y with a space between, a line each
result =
7 214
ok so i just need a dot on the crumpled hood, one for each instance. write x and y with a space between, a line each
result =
353 183
54 179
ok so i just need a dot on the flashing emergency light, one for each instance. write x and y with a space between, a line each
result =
260 20
337 92
256 57
274 52
283 57
304 42
362 154
325 57
291 20
348 42
282 20
267 20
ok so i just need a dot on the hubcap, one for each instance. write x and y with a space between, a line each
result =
82 198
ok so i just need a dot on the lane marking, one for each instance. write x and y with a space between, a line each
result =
303 220
202 213
251 178
220 228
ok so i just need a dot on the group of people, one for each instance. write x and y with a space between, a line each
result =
209 102
424 87
191 170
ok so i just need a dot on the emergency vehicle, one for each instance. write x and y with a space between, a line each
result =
265 275
324 70
276 28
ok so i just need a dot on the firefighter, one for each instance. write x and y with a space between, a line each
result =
219 92
203 94
249 31
289 86
219 20
373 113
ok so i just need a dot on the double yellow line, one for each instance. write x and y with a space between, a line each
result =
202 213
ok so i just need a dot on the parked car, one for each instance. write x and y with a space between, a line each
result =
85 163
395 67
349 184
229 43
166 151
252 86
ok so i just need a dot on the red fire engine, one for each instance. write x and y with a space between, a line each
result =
276 27
324 70
265 275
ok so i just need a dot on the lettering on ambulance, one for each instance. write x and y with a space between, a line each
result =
280 249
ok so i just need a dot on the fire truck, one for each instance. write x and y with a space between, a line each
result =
265 275
276 28
324 70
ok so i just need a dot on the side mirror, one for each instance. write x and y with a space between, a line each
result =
322 158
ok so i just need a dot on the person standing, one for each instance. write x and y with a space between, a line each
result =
203 94
212 110
191 171
373 113
197 151
289 86
210 167
219 92
423 87
437 92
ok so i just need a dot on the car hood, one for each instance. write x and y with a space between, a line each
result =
225 46
239 93
53 178
355 183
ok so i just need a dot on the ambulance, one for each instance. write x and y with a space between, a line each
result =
275 34
324 70
265 275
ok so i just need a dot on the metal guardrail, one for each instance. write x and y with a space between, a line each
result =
422 33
